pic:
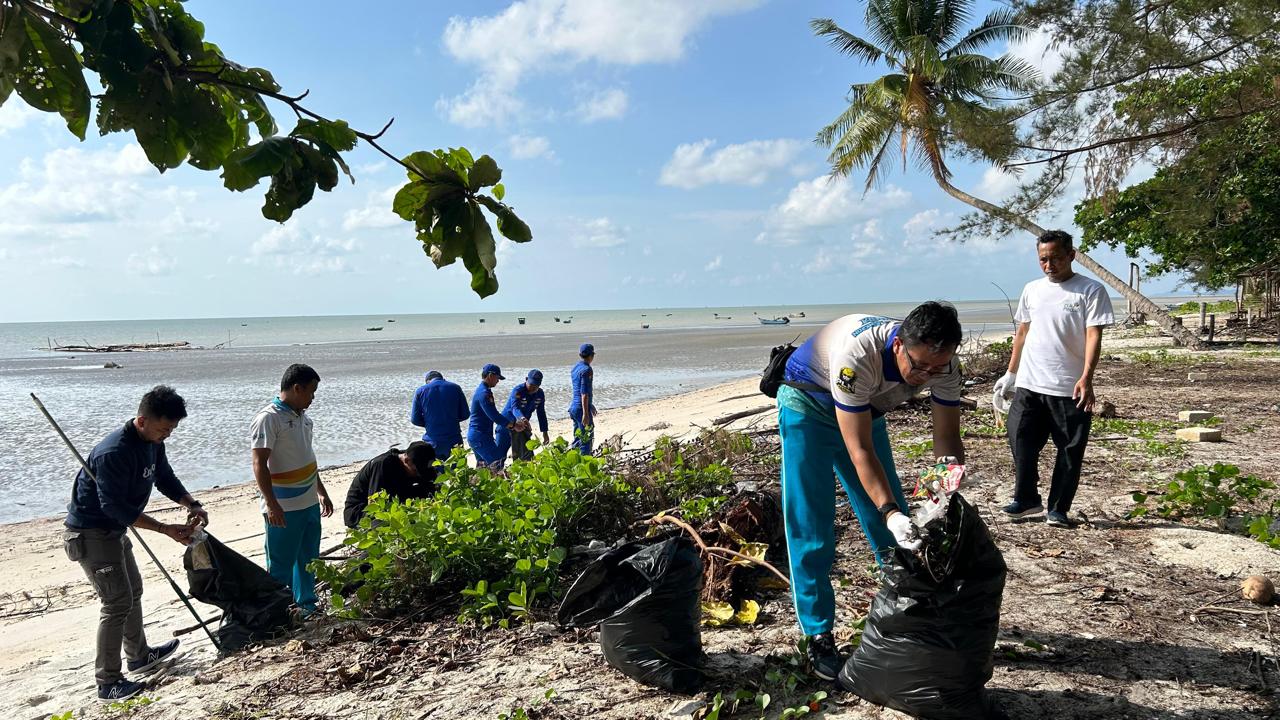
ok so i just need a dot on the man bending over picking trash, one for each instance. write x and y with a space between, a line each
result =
836 389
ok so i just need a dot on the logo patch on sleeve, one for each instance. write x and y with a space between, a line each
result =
845 380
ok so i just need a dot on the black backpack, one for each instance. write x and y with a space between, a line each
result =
772 376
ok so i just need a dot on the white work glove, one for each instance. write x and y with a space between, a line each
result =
904 531
1003 392
947 460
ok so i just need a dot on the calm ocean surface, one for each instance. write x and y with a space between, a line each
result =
367 378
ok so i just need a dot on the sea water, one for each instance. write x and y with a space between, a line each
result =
367 377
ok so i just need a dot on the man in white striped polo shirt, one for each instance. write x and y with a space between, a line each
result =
292 497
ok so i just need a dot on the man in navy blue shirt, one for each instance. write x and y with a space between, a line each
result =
526 399
438 407
582 409
126 465
484 416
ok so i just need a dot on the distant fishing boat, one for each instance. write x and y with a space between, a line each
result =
773 321
797 314
481 319
520 320
390 319
557 319
566 322
375 328
644 326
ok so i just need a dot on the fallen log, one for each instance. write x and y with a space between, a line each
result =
726 419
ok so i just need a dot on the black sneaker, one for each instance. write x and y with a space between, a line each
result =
823 656
154 657
1057 519
119 690
1016 509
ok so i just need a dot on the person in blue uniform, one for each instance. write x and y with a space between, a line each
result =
484 416
526 400
438 407
582 409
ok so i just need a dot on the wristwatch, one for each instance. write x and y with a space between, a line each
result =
887 508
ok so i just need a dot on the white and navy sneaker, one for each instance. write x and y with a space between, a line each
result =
154 657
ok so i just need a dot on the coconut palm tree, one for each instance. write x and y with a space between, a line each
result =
941 96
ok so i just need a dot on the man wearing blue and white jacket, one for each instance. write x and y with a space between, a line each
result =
438 407
526 400
837 387
484 416
126 466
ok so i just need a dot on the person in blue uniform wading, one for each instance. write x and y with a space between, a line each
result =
526 400
837 387
582 409
438 407
484 416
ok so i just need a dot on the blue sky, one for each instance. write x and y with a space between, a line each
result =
661 150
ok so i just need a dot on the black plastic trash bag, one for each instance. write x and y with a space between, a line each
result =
255 606
644 594
929 637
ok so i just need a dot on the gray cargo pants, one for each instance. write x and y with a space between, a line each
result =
107 559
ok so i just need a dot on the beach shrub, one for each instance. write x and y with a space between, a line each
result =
497 538
691 476
1204 491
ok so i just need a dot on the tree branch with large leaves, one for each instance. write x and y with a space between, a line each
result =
186 102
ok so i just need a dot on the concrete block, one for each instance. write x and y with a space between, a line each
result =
1194 416
1199 434
1197 376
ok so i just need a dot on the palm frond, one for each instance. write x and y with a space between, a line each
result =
846 42
873 166
952 16
999 26
877 97
883 24
861 145
981 76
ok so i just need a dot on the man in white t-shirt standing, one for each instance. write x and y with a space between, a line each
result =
1050 379
293 499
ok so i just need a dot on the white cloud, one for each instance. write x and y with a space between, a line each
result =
154 262
1040 50
844 258
871 230
372 168
678 277
714 264
817 205
920 231
375 214
72 186
748 163
530 147
920 227
598 233
608 104
300 252
15 114
996 184
530 36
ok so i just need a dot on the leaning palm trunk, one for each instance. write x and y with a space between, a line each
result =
1136 299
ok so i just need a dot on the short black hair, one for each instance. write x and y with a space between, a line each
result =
162 402
1061 237
935 324
422 455
298 374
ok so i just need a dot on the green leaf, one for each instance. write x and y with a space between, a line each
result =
51 77
409 200
484 172
511 227
246 166
499 191
334 133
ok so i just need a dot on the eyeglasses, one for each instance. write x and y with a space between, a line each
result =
930 371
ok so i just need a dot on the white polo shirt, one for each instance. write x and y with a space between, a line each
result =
292 463
853 358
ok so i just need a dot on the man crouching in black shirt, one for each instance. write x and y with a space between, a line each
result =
403 474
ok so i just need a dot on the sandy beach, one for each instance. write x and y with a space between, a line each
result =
51 648
1105 621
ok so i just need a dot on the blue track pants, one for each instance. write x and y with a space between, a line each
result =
812 448
290 548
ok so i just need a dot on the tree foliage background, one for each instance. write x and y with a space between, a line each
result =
1190 87
148 69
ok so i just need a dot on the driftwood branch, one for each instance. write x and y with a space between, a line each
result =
714 549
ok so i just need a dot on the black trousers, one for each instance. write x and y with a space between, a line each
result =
1033 419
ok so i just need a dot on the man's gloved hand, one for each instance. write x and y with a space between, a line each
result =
1003 392
904 531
